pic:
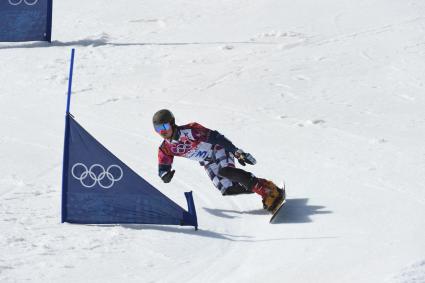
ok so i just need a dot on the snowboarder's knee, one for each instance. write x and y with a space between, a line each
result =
224 172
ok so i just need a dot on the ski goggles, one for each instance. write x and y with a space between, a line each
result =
162 127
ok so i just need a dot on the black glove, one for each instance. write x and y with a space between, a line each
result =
166 177
244 157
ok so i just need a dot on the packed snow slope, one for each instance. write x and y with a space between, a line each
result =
327 95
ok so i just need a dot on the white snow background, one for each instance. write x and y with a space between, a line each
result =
327 95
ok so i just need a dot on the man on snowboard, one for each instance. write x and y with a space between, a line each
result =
216 153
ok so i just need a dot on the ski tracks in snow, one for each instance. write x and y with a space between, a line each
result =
223 228
410 274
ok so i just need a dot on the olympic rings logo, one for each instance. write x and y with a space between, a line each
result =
182 147
97 174
19 2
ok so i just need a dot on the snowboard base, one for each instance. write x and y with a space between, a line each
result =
276 212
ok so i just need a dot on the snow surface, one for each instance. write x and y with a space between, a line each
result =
327 95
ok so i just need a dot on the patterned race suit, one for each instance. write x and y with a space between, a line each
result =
209 147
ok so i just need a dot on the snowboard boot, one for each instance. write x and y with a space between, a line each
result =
271 194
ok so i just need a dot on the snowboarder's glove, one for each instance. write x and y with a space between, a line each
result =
244 157
167 176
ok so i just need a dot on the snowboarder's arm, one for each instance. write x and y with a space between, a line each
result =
165 162
243 157
200 133
216 138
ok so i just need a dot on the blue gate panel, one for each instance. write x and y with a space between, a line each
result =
25 20
98 188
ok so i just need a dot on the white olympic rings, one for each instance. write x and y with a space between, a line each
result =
88 177
19 2
181 147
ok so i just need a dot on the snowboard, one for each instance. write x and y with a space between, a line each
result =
279 208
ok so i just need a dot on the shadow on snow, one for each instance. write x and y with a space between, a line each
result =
178 230
294 211
104 41
298 211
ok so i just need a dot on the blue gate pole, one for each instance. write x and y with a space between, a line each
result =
66 143
191 208
71 69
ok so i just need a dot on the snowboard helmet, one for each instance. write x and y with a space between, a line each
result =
163 116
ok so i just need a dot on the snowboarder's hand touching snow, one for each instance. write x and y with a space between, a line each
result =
166 177
244 157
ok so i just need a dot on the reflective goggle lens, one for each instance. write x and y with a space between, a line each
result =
162 127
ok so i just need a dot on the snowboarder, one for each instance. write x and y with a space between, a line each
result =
216 153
